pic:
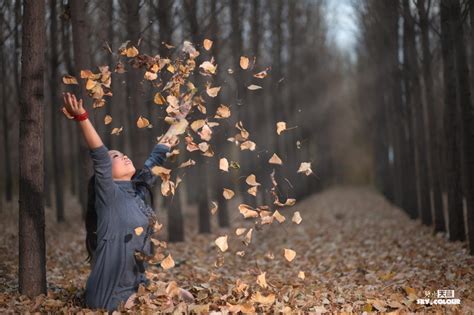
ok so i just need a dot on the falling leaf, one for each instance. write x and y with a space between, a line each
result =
188 47
224 165
247 211
281 126
208 67
207 43
159 99
261 74
296 217
116 131
138 230
305 167
205 133
107 119
160 170
288 203
98 103
252 180
234 165
240 231
278 216
252 191
248 237
142 122
248 145
221 242
253 87
189 162
275 160
212 92
214 207
261 281
228 194
240 253
150 76
90 84
222 111
167 263
244 62
203 146
69 79
290 254
301 275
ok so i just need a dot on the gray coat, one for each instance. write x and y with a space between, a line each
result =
116 273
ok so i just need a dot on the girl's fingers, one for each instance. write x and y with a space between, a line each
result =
80 103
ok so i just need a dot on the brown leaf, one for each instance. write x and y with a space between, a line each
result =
221 242
214 207
224 165
252 180
69 79
159 99
138 230
142 122
207 43
167 263
116 131
297 217
281 126
261 281
289 254
228 194
244 62
212 92
305 167
254 87
107 119
189 162
275 160
222 111
279 217
247 211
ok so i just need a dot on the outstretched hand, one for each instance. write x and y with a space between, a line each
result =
184 110
72 106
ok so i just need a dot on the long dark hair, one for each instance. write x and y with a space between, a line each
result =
91 214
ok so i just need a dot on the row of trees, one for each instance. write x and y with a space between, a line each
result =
54 38
414 60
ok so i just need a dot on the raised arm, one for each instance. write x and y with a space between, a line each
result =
73 109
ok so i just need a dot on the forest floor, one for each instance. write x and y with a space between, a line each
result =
357 252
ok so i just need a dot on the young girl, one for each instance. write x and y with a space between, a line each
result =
117 209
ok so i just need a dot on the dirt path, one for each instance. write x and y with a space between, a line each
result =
356 251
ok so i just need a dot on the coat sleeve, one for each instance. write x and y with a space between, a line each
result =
156 157
104 183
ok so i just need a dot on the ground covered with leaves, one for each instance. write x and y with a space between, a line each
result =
354 251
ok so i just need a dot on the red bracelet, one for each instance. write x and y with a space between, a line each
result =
81 117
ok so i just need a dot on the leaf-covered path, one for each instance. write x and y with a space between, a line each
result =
354 252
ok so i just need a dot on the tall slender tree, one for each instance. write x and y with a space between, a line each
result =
32 254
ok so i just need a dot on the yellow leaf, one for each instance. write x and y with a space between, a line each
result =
167 263
290 254
131 52
142 122
207 44
228 194
69 79
212 92
116 131
244 62
150 76
86 74
297 217
275 160
248 237
138 230
252 191
221 242
224 165
261 281
240 231
171 68
159 99
214 207
107 119
90 84
223 111
277 215
252 180
248 145
305 167
254 87
247 211
281 126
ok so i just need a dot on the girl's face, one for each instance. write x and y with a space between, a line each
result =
122 166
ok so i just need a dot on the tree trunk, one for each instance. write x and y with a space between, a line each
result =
32 259
467 121
82 62
56 132
451 124
418 118
434 163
